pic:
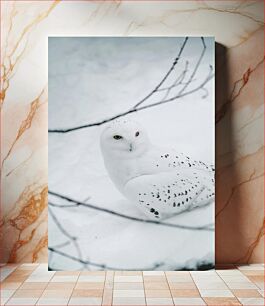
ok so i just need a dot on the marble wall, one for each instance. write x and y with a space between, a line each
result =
238 28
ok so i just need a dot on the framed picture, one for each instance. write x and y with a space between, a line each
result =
131 153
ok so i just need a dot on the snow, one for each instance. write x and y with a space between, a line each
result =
91 79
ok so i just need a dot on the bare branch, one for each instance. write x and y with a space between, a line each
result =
139 107
73 239
133 110
165 77
102 266
112 212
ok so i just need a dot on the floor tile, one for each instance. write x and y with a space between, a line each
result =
245 285
159 301
156 285
60 286
85 301
205 272
232 272
16 278
28 266
64 278
235 278
35 284
256 278
162 273
32 293
129 286
89 285
182 286
94 279
3 300
250 267
157 293
188 301
253 272
128 273
107 298
154 278
56 294
32 286
210 285
38 278
128 293
6 293
128 279
53 301
185 293
6 271
177 273
260 285
87 293
216 293
123 301
94 273
251 301
67 273
181 279
22 301
261 292
215 301
10 286
246 293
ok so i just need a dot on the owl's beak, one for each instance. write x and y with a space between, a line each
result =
131 147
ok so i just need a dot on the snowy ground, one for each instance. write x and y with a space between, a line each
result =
91 79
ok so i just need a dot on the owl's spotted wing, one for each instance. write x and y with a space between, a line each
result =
169 159
164 194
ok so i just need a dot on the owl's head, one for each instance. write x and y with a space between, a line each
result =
124 139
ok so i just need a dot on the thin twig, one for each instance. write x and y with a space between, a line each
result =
102 266
137 107
112 212
165 77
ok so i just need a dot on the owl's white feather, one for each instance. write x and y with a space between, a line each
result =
159 181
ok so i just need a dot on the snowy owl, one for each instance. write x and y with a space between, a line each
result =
161 182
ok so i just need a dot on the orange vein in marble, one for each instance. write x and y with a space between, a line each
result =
236 92
28 215
31 211
5 78
251 178
246 258
20 165
26 124
244 39
161 19
39 18
18 244
229 11
41 244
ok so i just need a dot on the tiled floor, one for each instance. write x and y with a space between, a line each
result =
32 284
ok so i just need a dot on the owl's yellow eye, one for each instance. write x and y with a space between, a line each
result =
137 134
117 137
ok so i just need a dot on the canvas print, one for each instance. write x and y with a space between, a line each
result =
131 153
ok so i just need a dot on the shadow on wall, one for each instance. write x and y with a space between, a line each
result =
222 137
229 231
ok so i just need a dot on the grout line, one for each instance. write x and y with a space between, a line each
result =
145 298
169 288
73 288
106 272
